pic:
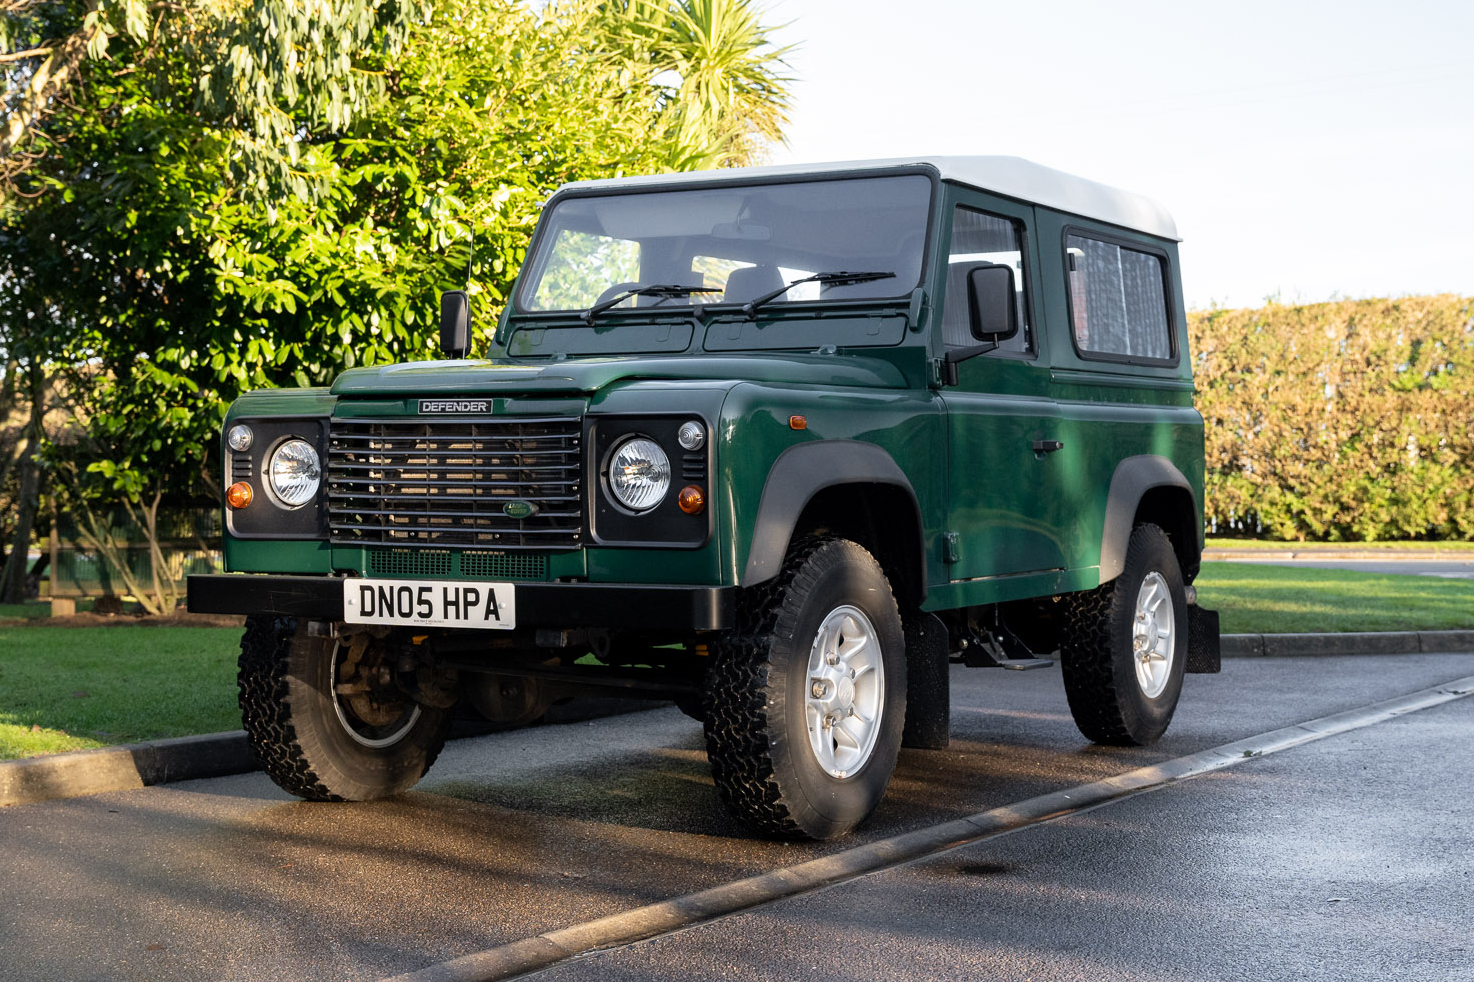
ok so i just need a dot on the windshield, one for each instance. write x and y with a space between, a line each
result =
734 244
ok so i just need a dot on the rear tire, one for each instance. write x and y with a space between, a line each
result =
1125 646
805 705
325 746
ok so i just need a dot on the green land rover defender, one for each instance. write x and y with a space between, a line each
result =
780 444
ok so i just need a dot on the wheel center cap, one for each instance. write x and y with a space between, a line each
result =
844 695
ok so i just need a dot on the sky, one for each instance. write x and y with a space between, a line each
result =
1308 151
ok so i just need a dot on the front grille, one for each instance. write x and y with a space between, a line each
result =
480 565
408 563
450 482
496 566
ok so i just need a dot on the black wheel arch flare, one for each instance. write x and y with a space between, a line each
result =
1173 505
799 474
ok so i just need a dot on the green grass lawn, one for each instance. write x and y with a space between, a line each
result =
1259 599
72 688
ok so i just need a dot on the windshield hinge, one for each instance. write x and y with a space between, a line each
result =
936 373
918 308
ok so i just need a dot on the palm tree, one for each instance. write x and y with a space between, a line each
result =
726 95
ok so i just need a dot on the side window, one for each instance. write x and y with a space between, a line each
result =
978 237
1118 301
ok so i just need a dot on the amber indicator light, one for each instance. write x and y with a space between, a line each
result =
692 500
798 422
239 495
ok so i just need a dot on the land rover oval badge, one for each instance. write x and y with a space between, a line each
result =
519 509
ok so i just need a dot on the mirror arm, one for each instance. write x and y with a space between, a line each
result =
971 351
956 356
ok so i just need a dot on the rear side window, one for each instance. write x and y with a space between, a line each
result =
1118 301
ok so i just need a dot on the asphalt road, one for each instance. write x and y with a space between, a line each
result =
1348 858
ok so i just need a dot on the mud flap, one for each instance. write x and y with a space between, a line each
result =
928 688
1203 652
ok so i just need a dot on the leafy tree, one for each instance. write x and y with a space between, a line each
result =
186 246
717 70
266 69
45 45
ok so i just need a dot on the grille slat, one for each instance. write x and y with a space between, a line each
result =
431 482
441 513
484 451
455 460
438 529
475 431
421 500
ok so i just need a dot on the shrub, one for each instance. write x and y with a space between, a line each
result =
1339 421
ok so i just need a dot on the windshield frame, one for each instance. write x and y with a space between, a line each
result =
703 182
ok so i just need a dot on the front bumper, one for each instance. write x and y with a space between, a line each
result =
551 605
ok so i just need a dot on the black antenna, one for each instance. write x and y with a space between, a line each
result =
470 255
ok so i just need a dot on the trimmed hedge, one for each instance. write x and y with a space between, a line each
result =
1343 421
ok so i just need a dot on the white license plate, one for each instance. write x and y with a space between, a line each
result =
430 603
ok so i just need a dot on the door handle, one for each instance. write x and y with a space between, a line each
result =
1047 446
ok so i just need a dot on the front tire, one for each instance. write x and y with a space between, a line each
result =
1125 646
805 705
324 720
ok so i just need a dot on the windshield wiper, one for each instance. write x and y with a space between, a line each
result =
836 278
663 290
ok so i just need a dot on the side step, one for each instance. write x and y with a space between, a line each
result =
985 649
1024 664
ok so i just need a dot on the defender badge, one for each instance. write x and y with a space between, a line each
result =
455 406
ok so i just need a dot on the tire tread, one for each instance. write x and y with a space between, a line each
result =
742 729
266 708
1099 700
267 712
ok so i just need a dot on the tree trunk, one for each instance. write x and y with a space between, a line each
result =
47 82
8 455
165 583
13 579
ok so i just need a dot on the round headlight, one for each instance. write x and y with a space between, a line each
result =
240 438
639 474
691 435
294 473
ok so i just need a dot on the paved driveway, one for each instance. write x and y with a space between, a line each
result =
1349 858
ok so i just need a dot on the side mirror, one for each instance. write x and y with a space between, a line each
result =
992 303
455 323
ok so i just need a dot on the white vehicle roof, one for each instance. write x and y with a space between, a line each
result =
1012 177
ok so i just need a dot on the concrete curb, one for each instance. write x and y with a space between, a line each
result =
1349 643
141 765
134 765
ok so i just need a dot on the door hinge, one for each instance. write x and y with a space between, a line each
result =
951 548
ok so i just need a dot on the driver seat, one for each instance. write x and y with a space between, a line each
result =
750 282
